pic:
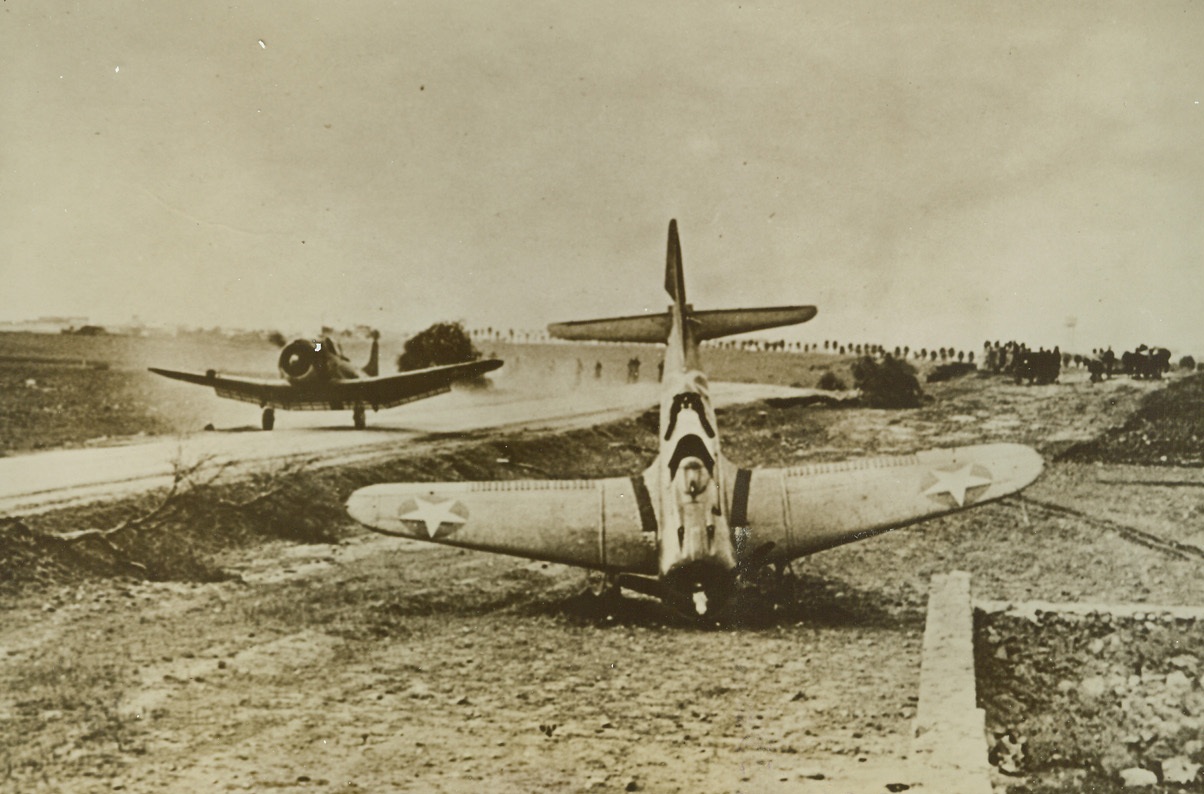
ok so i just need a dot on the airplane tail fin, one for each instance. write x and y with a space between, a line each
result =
675 281
372 368
680 336
655 328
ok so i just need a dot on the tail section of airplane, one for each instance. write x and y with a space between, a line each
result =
703 325
372 368
681 344
725 322
675 280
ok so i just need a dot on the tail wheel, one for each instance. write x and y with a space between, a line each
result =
358 417
269 418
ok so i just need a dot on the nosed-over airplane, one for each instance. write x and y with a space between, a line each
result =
316 376
692 522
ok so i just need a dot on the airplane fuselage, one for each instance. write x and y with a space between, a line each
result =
317 361
695 544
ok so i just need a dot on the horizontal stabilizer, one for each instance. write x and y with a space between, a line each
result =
654 328
725 322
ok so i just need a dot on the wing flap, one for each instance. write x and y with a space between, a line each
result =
590 523
807 509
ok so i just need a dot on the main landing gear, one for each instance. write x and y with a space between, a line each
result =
602 593
357 415
269 418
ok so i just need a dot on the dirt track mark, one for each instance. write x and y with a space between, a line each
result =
1171 547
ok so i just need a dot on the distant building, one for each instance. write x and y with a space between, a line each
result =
86 330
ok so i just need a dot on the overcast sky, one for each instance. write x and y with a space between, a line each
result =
921 171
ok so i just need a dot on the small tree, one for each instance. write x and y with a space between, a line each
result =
830 381
889 384
441 344
1188 363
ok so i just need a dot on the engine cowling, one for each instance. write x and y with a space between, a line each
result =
302 361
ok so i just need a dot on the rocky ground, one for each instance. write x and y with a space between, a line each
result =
1081 702
266 643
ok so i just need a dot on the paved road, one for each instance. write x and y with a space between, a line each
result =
42 481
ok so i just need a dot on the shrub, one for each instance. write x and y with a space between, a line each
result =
442 343
830 381
889 384
949 371
1188 363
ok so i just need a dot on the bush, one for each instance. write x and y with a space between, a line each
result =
830 381
889 384
954 369
1188 363
441 344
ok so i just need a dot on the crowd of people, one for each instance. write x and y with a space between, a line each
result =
1039 366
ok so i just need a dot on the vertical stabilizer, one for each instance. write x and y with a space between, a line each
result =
682 348
675 283
372 368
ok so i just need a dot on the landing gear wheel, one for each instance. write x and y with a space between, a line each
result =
603 593
358 417
601 584
269 418
785 585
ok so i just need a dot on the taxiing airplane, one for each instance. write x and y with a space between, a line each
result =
316 376
692 522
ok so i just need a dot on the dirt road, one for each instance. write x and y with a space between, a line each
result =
37 482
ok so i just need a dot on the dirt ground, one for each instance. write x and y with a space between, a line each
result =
373 664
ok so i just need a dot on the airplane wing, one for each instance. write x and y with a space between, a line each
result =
382 392
261 391
388 391
806 509
604 524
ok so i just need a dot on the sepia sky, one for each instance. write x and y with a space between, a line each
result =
924 172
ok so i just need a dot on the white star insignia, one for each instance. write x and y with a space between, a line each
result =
433 514
956 483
